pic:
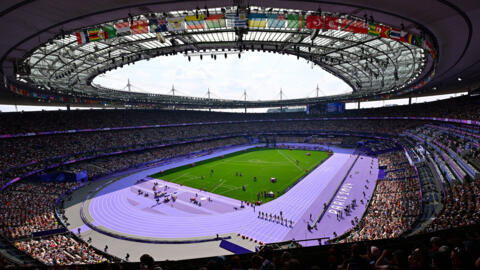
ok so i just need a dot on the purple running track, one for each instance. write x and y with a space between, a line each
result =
119 208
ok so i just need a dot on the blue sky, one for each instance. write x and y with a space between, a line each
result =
260 74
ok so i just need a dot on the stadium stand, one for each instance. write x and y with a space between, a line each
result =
394 210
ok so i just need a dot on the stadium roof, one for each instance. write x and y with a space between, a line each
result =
40 45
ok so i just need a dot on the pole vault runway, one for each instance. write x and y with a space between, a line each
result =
118 208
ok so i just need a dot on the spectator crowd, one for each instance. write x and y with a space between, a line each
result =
461 207
28 207
393 209
26 154
61 250
15 123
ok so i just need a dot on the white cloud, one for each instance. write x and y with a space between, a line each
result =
260 74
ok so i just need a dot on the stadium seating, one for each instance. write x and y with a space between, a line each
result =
14 123
394 206
420 153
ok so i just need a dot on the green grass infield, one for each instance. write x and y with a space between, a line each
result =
233 175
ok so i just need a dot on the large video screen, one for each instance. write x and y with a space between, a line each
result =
336 107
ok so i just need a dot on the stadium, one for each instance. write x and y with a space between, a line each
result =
358 175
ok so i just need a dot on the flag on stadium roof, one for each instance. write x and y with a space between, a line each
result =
276 21
123 29
296 21
395 34
384 31
314 22
139 27
216 21
234 20
195 21
82 37
331 23
428 46
108 31
406 37
412 39
176 23
373 30
157 26
416 40
94 34
355 26
258 20
162 26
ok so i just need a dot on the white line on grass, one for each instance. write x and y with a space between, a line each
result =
229 186
228 190
180 176
219 184
289 159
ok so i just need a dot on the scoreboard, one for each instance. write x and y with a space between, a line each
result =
337 107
